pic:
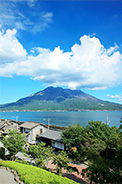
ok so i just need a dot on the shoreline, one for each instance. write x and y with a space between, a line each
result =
83 110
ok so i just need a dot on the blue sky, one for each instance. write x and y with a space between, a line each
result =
72 44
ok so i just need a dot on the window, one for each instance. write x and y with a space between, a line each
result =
40 131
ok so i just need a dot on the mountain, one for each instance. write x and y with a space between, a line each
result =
51 99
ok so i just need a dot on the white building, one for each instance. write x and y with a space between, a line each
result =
53 138
32 130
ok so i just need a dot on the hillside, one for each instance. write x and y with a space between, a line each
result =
51 99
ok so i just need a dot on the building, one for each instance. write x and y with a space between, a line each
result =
32 130
52 138
6 125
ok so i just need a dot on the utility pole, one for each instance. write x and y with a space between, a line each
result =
108 120
16 118
48 122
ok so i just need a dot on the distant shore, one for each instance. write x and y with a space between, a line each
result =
83 110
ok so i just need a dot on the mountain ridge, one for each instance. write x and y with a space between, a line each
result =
60 99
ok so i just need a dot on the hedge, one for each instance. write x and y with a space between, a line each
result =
34 175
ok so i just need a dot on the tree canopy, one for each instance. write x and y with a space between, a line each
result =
41 153
82 142
14 142
101 145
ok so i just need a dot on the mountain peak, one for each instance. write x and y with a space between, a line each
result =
57 98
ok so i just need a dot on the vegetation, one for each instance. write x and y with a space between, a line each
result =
52 99
66 105
34 175
62 161
96 137
2 152
14 142
97 143
101 145
40 153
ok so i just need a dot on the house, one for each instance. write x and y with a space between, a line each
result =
52 138
35 132
6 124
32 130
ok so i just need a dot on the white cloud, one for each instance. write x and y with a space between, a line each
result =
13 16
88 65
118 97
10 48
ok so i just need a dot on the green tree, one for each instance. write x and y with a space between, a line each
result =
14 142
102 137
62 161
90 140
102 170
97 171
107 169
72 139
40 153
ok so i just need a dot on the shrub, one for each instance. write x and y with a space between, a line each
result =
1 162
2 153
34 175
22 161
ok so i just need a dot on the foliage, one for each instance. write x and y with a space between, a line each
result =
62 161
33 175
72 140
102 170
2 152
107 169
120 127
22 161
90 140
40 153
14 142
68 104
98 171
1 162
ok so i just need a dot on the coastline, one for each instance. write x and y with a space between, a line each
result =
82 110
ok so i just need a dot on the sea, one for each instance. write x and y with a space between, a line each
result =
112 118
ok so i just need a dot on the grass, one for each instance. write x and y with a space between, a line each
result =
34 175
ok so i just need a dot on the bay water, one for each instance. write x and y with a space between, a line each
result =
112 118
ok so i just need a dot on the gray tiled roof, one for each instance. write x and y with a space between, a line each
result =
51 134
29 125
2 123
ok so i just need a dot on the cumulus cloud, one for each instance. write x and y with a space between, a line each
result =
88 65
118 97
10 48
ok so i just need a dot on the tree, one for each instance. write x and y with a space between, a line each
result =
107 169
90 140
72 139
120 127
102 170
97 171
40 153
14 142
62 161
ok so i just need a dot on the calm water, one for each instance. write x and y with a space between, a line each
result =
66 118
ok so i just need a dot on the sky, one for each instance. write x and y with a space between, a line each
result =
71 44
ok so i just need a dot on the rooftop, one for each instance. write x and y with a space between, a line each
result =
29 125
51 134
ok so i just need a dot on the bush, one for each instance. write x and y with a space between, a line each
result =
1 162
34 175
22 161
2 153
